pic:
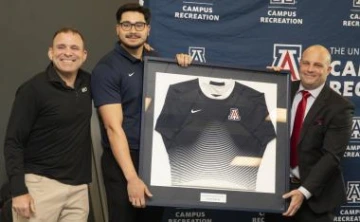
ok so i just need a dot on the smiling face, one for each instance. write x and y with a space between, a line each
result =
314 66
67 53
132 38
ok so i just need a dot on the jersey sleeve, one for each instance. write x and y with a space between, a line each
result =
262 126
171 117
105 86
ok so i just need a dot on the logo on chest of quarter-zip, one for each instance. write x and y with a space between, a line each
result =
84 89
131 74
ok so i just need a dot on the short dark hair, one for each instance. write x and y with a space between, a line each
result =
133 7
67 30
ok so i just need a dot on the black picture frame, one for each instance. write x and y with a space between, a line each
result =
273 173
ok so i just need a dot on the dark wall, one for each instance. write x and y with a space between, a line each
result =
26 30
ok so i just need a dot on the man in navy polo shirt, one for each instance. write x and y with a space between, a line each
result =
117 83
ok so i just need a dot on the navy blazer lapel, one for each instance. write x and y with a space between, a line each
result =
318 104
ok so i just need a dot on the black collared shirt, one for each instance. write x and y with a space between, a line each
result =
49 131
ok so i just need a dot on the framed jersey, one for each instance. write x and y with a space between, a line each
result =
215 137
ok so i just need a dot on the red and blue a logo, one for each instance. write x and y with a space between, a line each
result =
234 114
288 57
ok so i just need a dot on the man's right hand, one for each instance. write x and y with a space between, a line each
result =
274 68
137 191
183 60
24 205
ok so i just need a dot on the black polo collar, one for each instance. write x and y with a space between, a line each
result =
55 79
119 49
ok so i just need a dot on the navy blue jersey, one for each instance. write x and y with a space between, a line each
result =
203 134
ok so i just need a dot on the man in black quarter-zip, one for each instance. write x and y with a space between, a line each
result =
47 145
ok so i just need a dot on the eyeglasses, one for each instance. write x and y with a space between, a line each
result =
126 26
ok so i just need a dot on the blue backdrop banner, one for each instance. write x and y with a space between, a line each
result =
258 33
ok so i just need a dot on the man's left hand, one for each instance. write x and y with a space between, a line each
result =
148 47
183 60
297 199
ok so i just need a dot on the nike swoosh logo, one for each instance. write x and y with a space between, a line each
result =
195 110
131 74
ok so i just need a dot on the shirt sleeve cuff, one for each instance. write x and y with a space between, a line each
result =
305 192
17 185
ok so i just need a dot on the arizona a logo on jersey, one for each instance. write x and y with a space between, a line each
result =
234 114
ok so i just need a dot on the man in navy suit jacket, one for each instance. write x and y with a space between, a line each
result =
317 185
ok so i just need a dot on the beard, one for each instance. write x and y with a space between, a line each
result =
137 46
